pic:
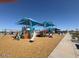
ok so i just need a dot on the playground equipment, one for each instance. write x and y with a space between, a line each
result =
28 28
28 24
34 35
49 27
17 36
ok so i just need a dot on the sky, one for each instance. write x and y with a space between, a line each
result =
63 13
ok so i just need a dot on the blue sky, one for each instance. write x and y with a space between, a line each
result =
63 13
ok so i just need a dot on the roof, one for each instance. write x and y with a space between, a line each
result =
47 24
28 21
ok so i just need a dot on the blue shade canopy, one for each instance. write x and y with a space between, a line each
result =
39 28
28 21
48 24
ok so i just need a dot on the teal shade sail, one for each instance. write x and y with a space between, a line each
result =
47 24
28 22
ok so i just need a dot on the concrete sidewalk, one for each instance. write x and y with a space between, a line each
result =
64 49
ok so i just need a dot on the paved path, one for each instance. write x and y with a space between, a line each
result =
64 49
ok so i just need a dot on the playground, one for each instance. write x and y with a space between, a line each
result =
41 47
29 42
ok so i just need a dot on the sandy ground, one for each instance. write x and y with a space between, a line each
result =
41 47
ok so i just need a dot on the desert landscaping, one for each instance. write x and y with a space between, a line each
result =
41 47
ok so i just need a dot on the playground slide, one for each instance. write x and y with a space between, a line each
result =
34 35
